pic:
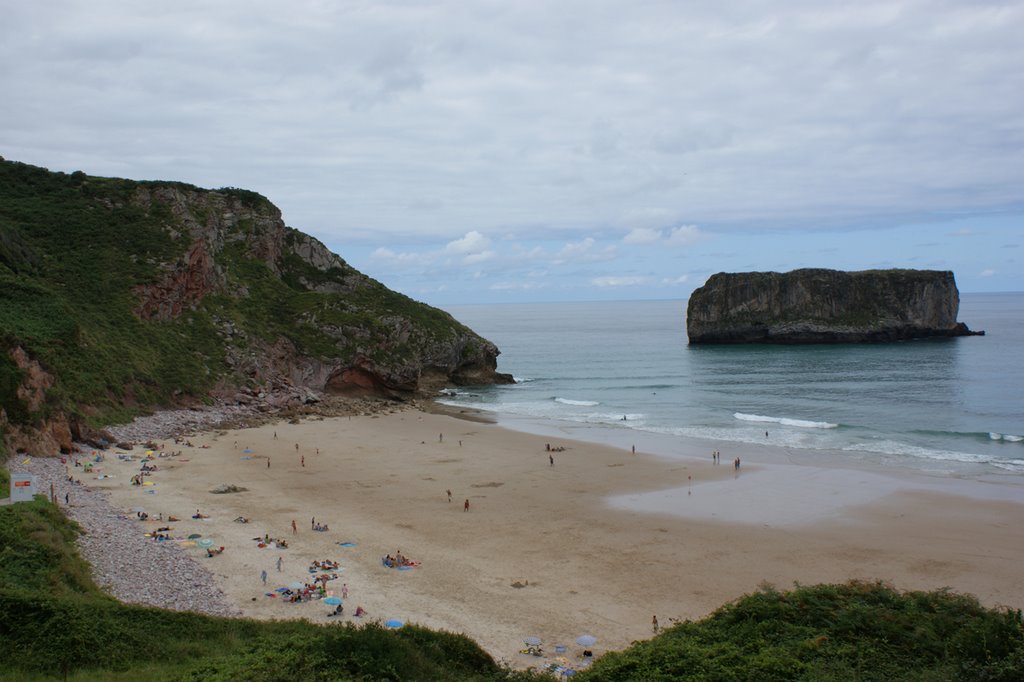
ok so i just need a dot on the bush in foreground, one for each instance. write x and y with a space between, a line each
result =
856 631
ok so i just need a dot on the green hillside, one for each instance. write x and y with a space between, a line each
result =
138 294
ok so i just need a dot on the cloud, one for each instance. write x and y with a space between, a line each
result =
987 272
401 260
410 131
472 242
672 281
585 251
684 235
641 235
618 281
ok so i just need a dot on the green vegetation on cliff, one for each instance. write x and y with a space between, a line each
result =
131 295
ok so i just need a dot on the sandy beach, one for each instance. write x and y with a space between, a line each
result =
555 544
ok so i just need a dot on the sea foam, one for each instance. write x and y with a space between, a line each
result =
580 403
785 421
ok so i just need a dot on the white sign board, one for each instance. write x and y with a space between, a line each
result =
23 487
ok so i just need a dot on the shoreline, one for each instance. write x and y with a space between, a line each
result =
545 550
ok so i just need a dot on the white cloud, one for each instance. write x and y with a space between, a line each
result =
987 272
684 235
396 259
614 281
672 281
584 251
472 242
474 258
641 235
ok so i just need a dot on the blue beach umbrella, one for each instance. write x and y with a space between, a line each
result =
333 601
532 641
586 640
247 451
296 585
205 542
393 623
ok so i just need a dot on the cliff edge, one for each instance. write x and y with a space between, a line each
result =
118 297
824 306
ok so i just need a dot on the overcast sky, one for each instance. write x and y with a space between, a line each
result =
466 151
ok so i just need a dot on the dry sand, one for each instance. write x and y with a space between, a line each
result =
592 544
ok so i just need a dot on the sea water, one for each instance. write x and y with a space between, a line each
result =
618 370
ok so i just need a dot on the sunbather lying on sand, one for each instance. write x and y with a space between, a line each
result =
214 551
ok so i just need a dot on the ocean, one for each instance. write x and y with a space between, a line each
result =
622 372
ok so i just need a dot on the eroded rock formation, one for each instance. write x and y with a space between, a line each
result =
824 306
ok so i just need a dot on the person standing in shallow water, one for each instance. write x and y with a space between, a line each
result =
465 507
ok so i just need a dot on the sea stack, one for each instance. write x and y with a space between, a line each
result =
825 306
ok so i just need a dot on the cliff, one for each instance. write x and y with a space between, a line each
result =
117 297
824 306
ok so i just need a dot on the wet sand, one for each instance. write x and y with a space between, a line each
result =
591 544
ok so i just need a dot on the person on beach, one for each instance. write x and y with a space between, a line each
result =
312 523
654 624
303 460
263 577
296 447
278 564
440 438
449 491
275 435
344 590
268 462
67 499
465 507
295 529
551 460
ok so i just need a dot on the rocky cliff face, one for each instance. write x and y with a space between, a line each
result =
155 294
824 306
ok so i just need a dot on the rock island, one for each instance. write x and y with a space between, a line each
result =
825 306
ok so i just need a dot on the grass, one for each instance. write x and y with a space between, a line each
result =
856 631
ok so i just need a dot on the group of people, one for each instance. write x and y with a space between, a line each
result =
398 560
716 458
325 565
266 541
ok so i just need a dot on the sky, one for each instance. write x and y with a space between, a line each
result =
474 152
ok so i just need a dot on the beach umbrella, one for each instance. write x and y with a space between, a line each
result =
138 509
532 641
205 542
586 640
296 585
194 536
393 623
332 600
247 451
